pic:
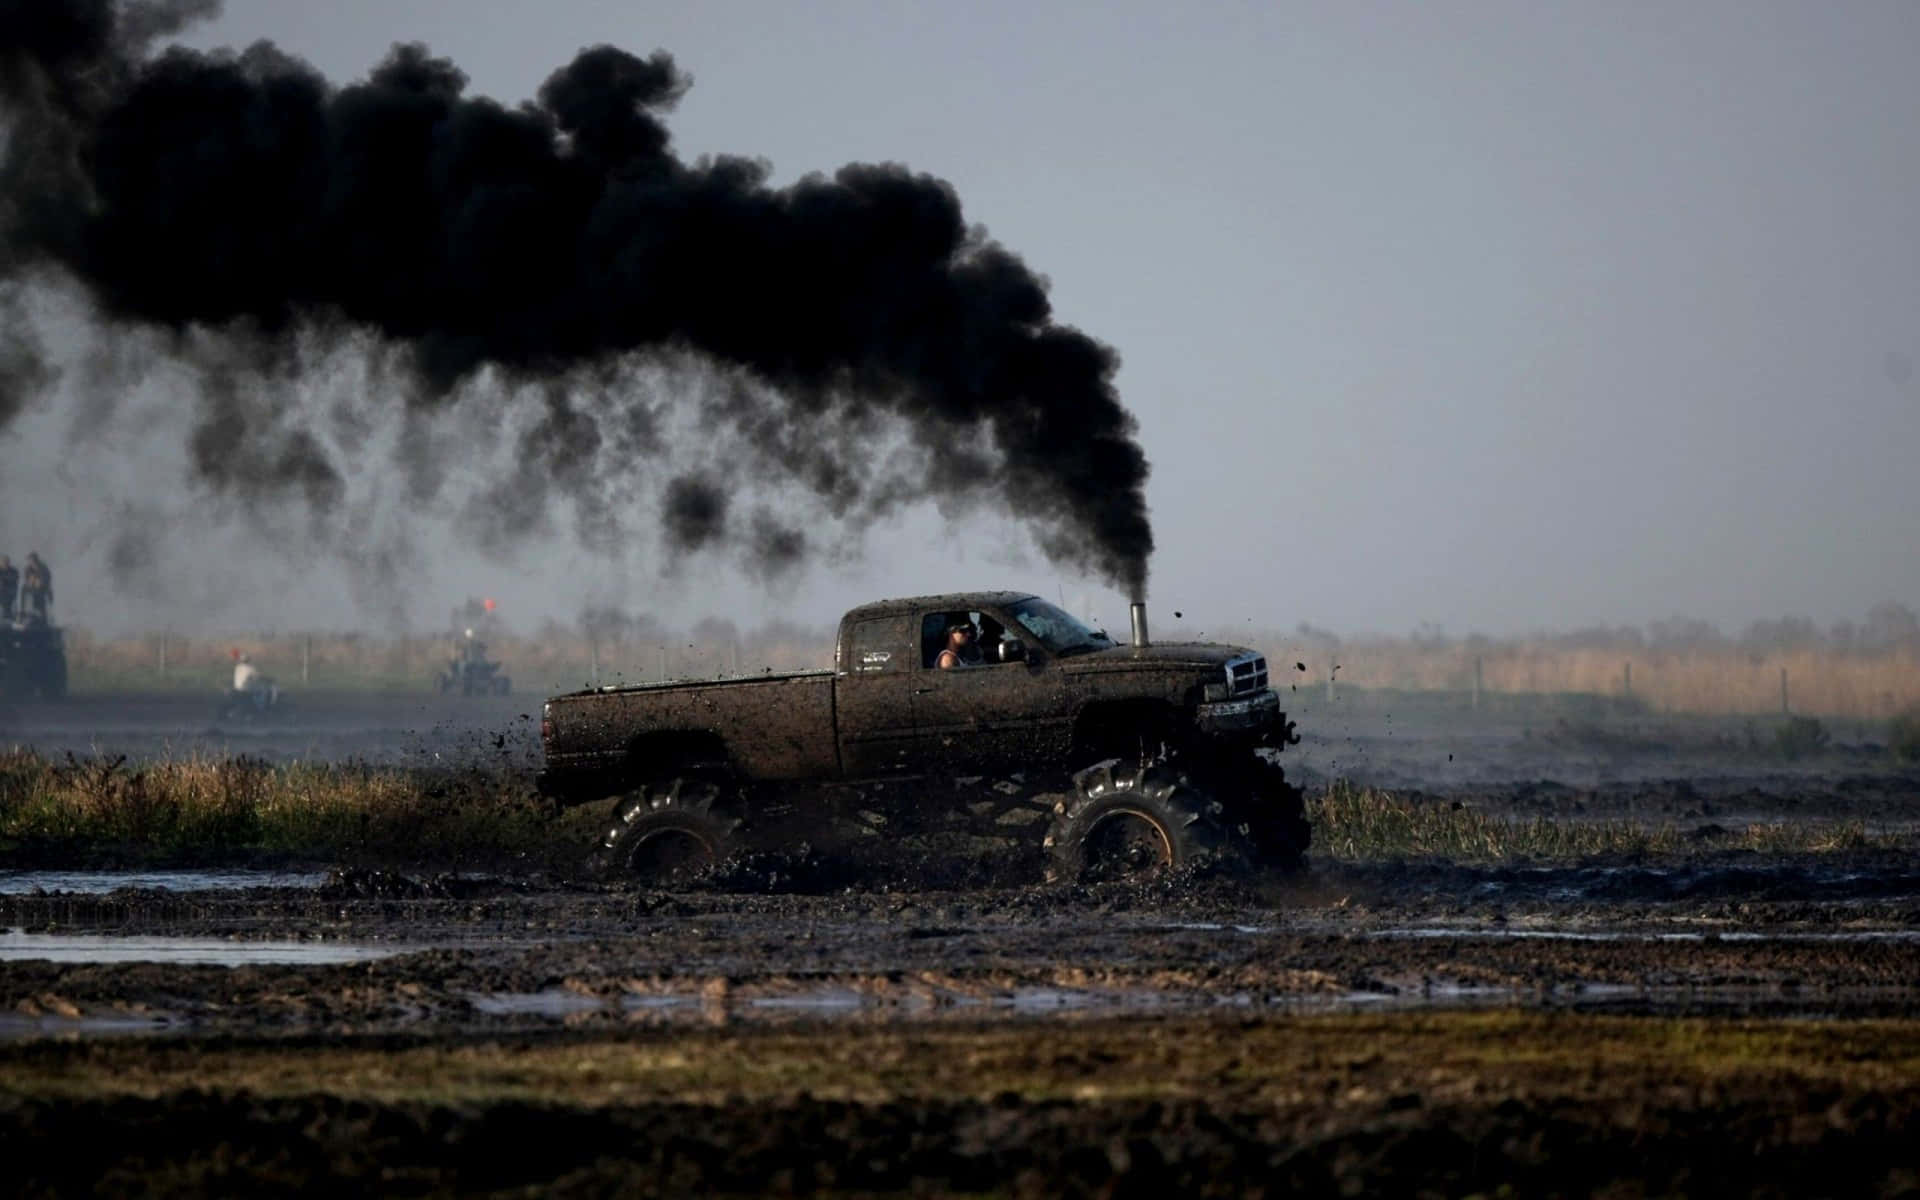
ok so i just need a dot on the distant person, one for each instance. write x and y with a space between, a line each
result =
251 685
960 650
9 588
246 676
36 589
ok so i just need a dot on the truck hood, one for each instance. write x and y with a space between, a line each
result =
1156 657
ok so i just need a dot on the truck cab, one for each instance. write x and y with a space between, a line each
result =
1040 686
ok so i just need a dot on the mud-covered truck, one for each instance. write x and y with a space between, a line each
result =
1111 759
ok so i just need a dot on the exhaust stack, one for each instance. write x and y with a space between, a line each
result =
1138 612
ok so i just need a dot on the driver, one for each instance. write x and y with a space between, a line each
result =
960 650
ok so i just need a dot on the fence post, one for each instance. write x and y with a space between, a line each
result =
306 659
1783 692
1627 679
663 663
1331 668
163 655
1476 682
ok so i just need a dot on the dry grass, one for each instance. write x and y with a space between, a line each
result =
1359 824
1725 681
208 809
1715 681
1315 1064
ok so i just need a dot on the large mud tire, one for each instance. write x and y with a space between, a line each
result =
1126 821
664 833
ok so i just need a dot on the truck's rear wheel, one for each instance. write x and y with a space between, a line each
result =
1126 821
664 833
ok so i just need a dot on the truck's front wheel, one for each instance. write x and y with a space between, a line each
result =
1126 821
663 833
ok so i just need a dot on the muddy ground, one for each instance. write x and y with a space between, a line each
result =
1707 1021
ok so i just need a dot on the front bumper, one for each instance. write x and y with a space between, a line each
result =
1249 714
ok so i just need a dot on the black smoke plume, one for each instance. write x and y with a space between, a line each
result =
241 193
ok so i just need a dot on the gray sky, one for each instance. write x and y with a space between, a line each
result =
1498 315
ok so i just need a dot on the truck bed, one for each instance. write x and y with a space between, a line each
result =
773 726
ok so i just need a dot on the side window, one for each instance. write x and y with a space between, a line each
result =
981 649
874 648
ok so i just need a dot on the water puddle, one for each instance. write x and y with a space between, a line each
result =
98 883
16 945
19 1027
834 1004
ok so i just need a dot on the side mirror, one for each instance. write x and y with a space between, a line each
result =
1012 651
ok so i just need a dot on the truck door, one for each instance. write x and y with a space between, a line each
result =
873 711
993 716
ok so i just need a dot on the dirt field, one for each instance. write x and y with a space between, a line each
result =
1707 1021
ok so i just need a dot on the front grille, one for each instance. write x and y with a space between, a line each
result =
1245 674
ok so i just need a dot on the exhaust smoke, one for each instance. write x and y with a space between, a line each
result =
241 207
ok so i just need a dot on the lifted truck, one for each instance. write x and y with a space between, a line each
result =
1143 756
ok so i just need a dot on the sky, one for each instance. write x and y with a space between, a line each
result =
1495 316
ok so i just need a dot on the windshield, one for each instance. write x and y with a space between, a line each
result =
1057 630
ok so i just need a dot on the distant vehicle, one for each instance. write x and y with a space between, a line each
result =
471 673
33 660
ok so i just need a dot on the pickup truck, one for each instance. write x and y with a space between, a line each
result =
1160 753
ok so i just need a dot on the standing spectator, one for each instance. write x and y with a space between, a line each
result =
9 588
36 589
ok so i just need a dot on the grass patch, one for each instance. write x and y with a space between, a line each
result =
1290 1062
213 810
1356 824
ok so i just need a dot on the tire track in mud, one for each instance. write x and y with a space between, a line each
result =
633 955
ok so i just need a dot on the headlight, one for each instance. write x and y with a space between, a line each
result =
1215 692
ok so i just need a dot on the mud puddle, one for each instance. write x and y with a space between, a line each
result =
1870 876
99 883
16 946
1757 937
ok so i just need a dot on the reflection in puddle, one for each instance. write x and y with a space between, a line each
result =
837 1003
96 948
96 883
20 1027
